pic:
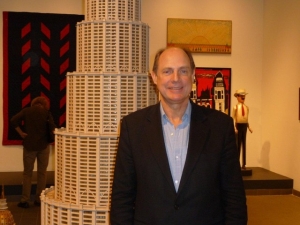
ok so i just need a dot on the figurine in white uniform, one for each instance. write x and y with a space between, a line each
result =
240 114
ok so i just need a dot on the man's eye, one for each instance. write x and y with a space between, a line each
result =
183 71
167 72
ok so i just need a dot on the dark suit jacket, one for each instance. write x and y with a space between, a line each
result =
211 189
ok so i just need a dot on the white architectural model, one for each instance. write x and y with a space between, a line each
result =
111 81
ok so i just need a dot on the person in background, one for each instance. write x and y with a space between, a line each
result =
240 114
35 145
177 163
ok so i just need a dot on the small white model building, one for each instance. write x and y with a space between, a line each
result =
111 81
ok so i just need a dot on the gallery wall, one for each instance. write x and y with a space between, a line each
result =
280 138
257 44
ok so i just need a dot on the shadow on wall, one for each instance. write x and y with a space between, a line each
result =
265 155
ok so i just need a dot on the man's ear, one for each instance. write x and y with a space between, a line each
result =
154 77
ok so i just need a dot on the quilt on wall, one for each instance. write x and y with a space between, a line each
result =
38 51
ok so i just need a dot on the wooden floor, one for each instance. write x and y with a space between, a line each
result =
273 209
29 216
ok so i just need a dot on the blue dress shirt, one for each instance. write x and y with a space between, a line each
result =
176 142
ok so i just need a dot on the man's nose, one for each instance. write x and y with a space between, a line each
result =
175 76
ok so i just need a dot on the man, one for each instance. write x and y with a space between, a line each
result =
35 145
240 115
177 163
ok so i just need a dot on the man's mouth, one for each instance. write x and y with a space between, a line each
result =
175 88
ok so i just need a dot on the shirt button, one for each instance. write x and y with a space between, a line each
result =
176 181
176 207
172 134
177 157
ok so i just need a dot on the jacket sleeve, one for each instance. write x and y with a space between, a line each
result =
124 184
233 192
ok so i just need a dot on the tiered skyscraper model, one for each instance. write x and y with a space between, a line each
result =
111 81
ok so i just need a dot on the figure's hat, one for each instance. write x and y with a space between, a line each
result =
240 92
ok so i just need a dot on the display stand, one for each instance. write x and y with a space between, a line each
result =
246 172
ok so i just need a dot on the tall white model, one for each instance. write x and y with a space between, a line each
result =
111 81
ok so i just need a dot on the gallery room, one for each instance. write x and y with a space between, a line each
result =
263 61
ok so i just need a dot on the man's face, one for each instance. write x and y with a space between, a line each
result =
174 76
241 98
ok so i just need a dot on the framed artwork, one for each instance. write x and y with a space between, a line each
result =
201 36
212 88
39 49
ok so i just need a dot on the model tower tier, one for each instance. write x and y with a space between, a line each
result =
111 80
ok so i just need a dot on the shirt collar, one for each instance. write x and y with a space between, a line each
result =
186 116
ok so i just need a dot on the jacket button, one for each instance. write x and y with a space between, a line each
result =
176 207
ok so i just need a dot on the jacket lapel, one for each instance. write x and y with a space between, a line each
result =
156 141
199 133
